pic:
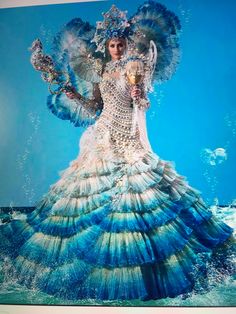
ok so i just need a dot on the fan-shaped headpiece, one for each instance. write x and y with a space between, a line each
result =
114 25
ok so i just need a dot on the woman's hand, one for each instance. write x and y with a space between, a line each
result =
135 92
139 97
72 93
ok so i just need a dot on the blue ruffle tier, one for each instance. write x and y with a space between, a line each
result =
116 232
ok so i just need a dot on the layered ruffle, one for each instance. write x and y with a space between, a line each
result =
125 231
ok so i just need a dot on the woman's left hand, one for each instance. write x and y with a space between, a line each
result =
135 92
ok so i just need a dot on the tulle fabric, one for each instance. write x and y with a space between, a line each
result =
115 228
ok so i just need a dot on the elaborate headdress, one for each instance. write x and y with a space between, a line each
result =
79 47
115 25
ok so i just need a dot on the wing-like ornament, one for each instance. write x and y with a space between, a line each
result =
74 62
162 27
150 62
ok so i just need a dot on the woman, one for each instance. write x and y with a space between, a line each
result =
116 48
120 223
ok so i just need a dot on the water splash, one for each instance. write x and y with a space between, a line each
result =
226 213
214 157
222 295
11 214
18 215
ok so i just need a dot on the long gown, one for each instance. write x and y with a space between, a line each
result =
120 223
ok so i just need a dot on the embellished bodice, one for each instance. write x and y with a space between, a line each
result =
117 115
117 106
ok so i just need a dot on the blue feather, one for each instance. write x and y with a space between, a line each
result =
163 27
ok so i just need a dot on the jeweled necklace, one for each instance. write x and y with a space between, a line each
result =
116 65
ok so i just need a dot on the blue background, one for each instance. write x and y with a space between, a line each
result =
188 114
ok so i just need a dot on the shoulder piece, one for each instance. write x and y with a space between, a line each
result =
75 54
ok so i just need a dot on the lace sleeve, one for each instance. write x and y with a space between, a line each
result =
81 111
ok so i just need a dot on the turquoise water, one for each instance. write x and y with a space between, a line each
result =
223 292
222 295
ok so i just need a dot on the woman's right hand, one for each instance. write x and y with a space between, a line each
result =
135 92
71 93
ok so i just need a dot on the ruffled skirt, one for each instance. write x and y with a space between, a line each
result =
116 227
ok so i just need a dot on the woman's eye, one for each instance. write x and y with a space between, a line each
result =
112 46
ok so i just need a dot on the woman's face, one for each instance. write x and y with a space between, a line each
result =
116 48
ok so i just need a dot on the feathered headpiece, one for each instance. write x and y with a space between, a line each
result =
80 47
153 32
